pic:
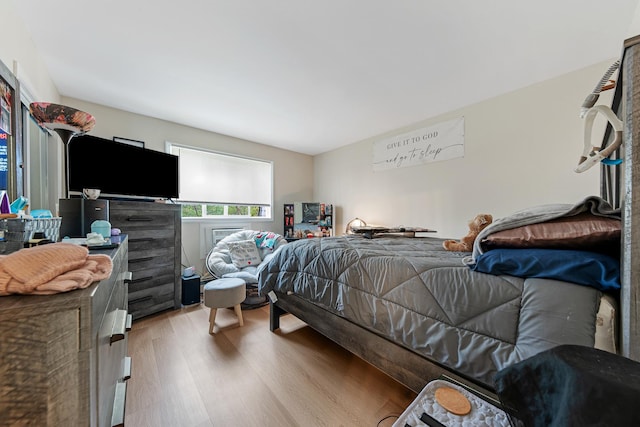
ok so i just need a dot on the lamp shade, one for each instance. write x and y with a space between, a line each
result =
56 116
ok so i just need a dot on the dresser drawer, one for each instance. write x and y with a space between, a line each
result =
152 297
146 261
129 220
148 277
144 240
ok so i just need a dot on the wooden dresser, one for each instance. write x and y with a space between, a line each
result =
64 356
154 231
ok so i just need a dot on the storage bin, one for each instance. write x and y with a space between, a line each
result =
14 232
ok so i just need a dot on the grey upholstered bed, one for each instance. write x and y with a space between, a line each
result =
415 294
417 312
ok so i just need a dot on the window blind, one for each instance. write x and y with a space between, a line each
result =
209 177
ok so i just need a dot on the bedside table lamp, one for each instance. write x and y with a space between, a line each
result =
66 122
356 222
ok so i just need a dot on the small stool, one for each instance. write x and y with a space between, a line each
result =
223 293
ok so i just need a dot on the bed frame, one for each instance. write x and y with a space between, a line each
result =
414 370
401 363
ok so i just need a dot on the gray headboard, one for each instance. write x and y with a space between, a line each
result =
629 112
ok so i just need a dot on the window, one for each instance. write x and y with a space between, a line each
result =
218 185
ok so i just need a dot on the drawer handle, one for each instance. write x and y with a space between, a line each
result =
141 279
142 239
141 299
133 261
119 399
119 327
127 323
126 375
140 218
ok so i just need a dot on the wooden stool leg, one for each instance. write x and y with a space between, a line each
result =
212 319
238 311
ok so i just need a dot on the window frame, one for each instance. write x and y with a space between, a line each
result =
225 216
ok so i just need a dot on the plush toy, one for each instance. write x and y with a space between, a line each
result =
476 225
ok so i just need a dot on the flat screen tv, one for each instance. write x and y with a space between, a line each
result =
118 169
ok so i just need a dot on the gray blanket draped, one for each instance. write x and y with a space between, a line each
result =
593 204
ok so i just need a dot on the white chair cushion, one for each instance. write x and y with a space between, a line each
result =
220 264
244 253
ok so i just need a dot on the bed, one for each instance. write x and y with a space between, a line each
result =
418 312
472 320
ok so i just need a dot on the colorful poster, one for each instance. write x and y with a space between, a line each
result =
4 162
5 107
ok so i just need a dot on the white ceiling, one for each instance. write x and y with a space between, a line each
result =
311 76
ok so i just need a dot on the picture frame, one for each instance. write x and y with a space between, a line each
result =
133 142
310 212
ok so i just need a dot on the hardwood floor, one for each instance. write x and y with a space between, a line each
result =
249 376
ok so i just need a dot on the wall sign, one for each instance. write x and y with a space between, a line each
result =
442 141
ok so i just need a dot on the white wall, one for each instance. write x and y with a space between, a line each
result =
634 28
520 151
17 46
20 55
293 177
293 171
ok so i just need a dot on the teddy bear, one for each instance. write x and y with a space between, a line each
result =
476 225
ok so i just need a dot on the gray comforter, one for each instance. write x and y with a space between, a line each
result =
413 292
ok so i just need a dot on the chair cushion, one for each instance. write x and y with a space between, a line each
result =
220 264
244 253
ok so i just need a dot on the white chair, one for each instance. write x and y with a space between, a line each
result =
220 263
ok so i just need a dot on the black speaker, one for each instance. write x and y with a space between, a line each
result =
190 289
78 214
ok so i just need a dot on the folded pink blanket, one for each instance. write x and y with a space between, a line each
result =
50 269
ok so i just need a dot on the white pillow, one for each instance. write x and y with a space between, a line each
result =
244 253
